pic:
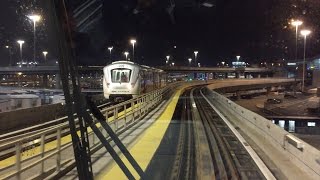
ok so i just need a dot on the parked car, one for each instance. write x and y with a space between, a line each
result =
274 101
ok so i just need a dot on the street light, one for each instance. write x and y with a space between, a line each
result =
133 41
296 23
20 42
45 55
304 33
34 18
172 63
189 61
238 58
9 51
195 56
126 54
167 61
110 49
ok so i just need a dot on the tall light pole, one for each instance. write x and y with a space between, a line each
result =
195 57
238 58
45 55
126 54
9 51
296 23
133 41
20 42
35 19
304 33
110 49
189 61
167 61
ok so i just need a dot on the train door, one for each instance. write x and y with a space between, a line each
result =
142 75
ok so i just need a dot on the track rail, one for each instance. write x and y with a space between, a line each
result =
183 167
229 157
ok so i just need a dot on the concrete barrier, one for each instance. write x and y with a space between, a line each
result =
263 132
14 120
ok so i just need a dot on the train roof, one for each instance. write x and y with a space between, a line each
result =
123 62
132 63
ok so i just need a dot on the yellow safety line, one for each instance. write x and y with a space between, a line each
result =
145 145
52 144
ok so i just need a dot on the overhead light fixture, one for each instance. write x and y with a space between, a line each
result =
206 4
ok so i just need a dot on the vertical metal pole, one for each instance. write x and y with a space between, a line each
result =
115 117
42 146
304 63
139 106
296 43
93 139
132 110
144 105
58 160
125 116
295 71
34 41
132 52
107 116
147 102
18 160
21 53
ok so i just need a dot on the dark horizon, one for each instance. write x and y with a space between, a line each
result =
255 30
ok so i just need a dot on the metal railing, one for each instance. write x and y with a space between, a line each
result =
294 149
50 149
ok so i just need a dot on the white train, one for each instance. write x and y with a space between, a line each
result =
123 80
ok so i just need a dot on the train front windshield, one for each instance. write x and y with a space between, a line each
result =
120 75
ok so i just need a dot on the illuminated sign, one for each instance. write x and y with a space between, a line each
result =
238 63
291 64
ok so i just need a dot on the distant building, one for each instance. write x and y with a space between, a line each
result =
18 101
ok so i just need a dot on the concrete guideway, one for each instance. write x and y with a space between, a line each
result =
145 150
262 167
161 128
292 156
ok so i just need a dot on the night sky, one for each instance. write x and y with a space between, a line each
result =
256 30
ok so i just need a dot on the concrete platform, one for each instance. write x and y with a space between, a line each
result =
142 141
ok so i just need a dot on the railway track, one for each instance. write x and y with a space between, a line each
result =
230 158
227 155
183 167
